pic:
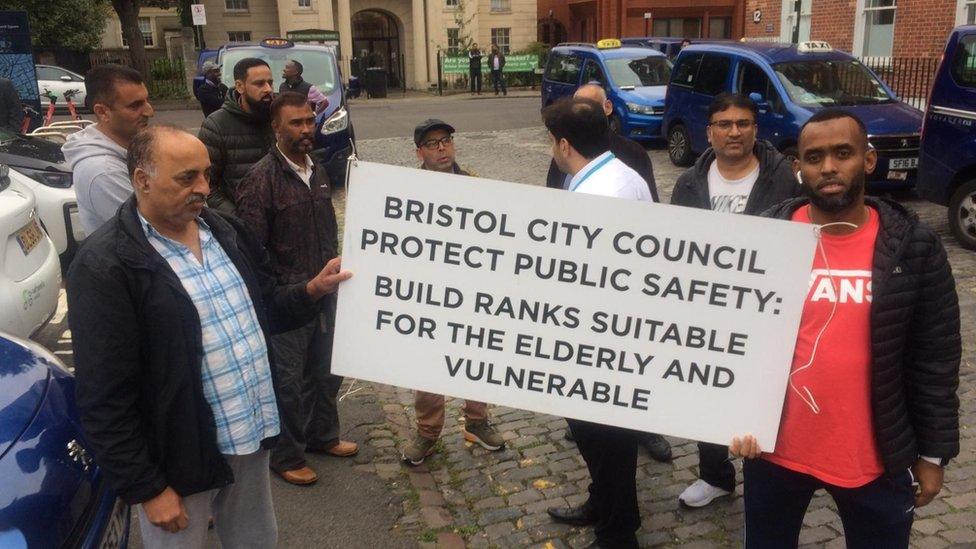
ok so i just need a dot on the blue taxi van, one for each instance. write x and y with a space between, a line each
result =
947 164
334 135
789 82
635 79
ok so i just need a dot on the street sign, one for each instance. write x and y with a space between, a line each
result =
17 60
199 14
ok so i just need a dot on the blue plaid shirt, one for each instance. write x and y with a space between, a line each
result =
236 371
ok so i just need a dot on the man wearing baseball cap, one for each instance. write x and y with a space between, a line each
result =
435 150
211 93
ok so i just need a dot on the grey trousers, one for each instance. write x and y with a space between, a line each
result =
243 512
306 390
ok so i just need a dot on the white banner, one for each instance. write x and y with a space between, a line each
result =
660 318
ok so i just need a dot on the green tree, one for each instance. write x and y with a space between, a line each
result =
69 24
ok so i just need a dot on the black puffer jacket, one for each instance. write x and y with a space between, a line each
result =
235 140
776 182
915 341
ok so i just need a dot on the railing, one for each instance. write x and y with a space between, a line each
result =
910 78
453 76
166 77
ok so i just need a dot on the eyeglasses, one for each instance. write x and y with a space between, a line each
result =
433 144
726 125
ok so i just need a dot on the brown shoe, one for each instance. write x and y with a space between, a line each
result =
343 449
299 477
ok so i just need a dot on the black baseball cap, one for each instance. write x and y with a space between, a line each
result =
427 125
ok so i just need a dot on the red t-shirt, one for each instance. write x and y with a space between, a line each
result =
837 444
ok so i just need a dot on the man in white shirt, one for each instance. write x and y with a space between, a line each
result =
581 148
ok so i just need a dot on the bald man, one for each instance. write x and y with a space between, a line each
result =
627 150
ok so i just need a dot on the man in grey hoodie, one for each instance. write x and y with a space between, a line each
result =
119 98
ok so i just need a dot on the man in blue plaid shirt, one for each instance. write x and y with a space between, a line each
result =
171 307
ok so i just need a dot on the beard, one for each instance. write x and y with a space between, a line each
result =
259 107
302 145
835 204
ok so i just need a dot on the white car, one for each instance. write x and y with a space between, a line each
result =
38 165
60 80
30 274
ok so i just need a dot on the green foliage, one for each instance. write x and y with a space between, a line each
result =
65 24
539 49
166 80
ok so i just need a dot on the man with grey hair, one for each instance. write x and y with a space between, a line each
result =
212 91
628 151
171 306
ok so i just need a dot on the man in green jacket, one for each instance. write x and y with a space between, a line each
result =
239 134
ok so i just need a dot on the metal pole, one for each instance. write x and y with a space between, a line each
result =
440 88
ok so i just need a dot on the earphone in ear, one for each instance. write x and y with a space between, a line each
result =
799 178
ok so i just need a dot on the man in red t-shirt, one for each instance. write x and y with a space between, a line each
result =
871 412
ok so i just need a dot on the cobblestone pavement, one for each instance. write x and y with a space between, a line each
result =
466 496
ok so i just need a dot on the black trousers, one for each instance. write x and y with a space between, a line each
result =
475 78
878 515
610 454
715 467
498 79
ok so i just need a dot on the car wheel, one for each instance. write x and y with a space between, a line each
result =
615 124
679 146
962 215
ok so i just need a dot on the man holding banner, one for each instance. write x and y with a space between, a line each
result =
871 413
435 149
580 139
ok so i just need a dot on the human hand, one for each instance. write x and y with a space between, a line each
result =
328 279
746 447
929 477
167 511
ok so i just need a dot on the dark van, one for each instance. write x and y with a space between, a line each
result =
947 164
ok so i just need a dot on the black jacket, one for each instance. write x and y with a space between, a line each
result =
628 151
474 61
301 87
138 355
491 60
915 341
11 111
211 97
235 140
776 182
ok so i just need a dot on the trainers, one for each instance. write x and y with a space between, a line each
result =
483 433
417 451
701 494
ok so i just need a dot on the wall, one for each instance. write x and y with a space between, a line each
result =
922 27
772 14
261 19
400 9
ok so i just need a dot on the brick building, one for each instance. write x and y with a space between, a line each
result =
591 20
866 28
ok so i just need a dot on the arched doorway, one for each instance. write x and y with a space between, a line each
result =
376 43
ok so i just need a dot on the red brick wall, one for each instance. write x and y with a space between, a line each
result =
771 11
833 22
922 27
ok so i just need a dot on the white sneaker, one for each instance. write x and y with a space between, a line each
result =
701 494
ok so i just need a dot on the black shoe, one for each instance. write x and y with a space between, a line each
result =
577 516
568 435
658 447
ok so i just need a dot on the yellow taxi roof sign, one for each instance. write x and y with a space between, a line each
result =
608 43
813 47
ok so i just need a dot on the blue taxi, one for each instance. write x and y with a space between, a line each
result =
947 164
334 136
790 82
635 79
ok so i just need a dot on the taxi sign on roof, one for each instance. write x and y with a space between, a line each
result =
813 47
608 43
277 43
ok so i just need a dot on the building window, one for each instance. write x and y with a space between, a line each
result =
238 36
966 12
502 38
501 5
879 27
451 3
305 3
681 27
145 27
453 42
720 27
236 5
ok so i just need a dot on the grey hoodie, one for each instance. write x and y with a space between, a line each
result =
101 179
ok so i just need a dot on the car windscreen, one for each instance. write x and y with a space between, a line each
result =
318 66
830 83
639 71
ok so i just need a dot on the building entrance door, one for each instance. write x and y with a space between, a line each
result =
376 43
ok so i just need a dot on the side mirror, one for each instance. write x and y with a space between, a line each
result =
66 78
756 98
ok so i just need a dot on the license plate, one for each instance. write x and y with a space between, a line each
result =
897 176
903 163
29 236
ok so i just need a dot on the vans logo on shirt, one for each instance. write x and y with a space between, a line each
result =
848 286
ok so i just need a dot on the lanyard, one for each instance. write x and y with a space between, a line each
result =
593 170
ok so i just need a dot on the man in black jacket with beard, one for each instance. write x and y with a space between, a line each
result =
628 151
239 134
871 413
737 174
